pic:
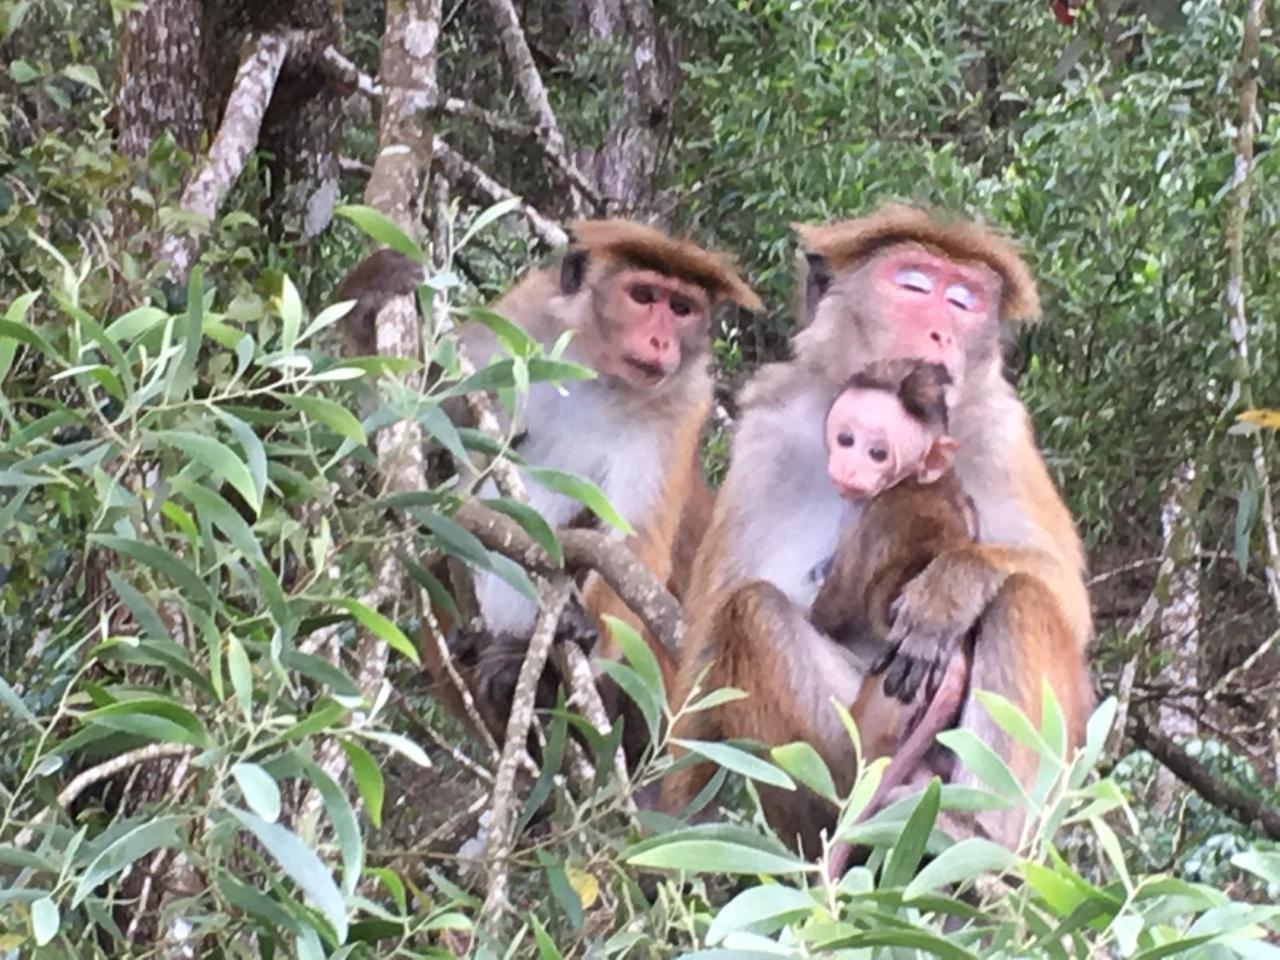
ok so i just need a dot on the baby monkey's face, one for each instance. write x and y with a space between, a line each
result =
873 443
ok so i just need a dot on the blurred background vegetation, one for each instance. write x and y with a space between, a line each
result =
1106 145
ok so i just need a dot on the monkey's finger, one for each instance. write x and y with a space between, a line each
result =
885 658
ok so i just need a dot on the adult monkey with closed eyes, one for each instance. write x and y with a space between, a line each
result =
897 284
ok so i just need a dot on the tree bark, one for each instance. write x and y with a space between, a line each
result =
160 45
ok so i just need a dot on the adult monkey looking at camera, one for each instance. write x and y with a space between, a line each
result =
896 284
639 305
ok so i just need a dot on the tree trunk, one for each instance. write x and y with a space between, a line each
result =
160 86
624 166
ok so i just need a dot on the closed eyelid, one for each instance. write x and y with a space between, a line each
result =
913 278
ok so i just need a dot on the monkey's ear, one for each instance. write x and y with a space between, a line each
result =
937 459
817 283
573 270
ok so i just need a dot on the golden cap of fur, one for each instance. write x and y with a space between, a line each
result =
851 241
648 246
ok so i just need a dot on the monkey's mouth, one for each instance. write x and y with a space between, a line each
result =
652 373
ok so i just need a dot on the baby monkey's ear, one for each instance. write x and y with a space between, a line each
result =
937 459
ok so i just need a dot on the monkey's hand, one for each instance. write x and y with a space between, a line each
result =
934 612
576 626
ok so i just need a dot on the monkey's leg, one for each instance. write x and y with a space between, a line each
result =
763 645
1022 639
940 714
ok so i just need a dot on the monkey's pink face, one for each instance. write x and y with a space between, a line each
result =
871 443
655 317
934 306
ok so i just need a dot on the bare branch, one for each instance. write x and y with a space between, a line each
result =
494 121
339 67
555 594
634 584
1237 320
238 135
103 771
1210 786
529 81
460 170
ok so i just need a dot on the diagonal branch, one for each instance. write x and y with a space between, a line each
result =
529 82
237 136
461 170
634 584
1203 781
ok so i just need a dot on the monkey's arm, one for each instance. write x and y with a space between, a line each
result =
938 608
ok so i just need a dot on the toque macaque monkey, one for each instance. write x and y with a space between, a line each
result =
638 303
898 284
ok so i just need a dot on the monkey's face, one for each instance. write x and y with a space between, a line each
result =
650 324
873 443
934 309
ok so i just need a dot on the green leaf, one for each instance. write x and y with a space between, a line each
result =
532 522
1263 864
930 944
582 490
638 654
381 228
982 761
546 946
804 764
22 72
333 415
135 323
513 337
83 73
14 703
716 848
1010 718
151 717
368 778
380 627
214 508
346 829
325 715
241 675
486 217
716 698
148 618
515 575
327 318
27 335
45 920
321 671
964 861
437 423
256 903
259 789
124 850
767 905
254 453
454 539
739 761
910 847
218 458
636 688
402 745
302 865
290 314
161 561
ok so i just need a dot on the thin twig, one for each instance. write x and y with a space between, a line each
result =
555 594
102 771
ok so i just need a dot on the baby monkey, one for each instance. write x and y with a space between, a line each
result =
888 448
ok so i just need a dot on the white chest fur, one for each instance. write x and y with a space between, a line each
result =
590 434
795 515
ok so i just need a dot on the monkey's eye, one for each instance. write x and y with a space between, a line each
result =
878 454
916 280
844 439
681 307
958 295
643 293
